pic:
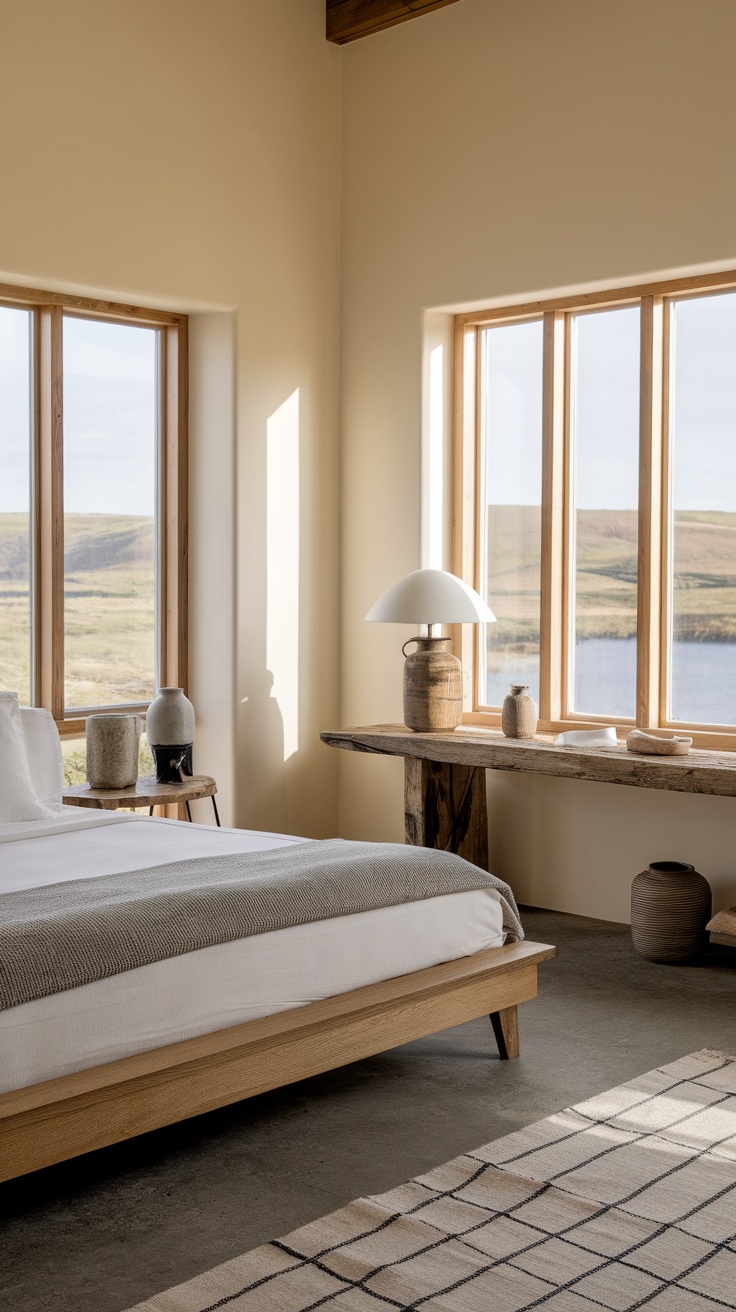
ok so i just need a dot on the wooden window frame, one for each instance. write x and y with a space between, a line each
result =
654 518
48 310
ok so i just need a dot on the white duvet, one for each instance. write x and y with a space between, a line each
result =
218 986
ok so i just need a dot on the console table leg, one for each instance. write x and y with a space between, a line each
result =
506 1029
445 807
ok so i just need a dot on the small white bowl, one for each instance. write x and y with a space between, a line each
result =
603 737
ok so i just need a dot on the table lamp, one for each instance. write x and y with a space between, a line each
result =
433 685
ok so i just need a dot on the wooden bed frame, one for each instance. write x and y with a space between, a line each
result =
50 1122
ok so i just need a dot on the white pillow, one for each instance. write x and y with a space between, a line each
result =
45 760
18 797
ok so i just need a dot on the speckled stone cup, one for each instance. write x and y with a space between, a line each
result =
112 750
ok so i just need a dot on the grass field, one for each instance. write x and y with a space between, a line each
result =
605 581
109 648
109 592
15 618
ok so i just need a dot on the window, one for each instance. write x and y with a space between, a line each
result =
16 615
595 487
511 528
93 503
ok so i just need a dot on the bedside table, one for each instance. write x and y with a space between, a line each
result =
145 792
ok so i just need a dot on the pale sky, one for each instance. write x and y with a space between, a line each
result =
109 416
110 411
607 408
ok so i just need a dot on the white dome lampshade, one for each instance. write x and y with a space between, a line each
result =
431 596
433 691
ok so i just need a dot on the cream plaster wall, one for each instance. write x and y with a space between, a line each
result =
493 149
187 155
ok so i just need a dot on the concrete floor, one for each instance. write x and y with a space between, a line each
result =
115 1227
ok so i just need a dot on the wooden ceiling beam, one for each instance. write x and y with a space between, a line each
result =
347 20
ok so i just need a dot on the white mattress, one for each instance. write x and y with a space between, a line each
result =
215 987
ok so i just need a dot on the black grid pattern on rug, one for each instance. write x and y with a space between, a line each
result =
622 1202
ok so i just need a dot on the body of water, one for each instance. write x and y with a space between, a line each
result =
703 679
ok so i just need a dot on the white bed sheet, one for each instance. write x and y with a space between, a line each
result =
215 987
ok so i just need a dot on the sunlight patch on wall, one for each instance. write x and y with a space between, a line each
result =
436 459
282 567
436 447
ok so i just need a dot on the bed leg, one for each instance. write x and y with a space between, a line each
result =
506 1029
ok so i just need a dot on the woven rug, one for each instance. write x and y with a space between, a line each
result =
622 1202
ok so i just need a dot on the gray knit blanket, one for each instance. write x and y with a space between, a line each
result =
61 936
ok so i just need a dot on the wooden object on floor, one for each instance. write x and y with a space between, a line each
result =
506 1029
444 780
349 19
146 792
56 1120
445 808
445 776
713 773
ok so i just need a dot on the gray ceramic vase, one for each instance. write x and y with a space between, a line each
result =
170 734
112 750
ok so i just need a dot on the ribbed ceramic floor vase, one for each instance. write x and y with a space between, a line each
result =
670 907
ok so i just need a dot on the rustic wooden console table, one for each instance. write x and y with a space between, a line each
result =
444 775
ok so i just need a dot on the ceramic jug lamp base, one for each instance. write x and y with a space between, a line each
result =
433 686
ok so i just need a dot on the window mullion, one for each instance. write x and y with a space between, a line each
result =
173 501
666 526
553 512
464 491
48 511
478 580
568 544
650 515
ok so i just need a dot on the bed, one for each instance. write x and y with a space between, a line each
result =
97 1064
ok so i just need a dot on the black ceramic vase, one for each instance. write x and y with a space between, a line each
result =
670 908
